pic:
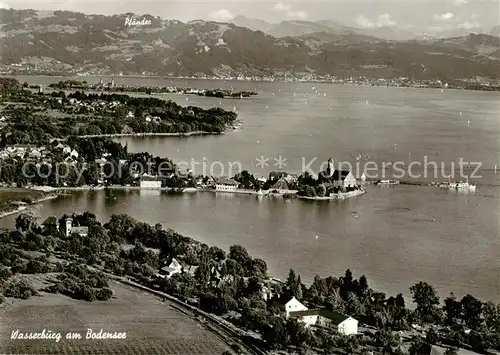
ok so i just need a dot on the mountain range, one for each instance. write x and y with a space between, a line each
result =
390 33
69 42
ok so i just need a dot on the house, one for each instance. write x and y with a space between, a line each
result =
266 293
276 175
291 178
324 318
339 178
150 182
280 185
173 268
35 153
50 224
262 180
293 305
226 184
83 231
343 179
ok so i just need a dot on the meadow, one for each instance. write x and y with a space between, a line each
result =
152 326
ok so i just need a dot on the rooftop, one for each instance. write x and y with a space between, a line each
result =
334 316
80 230
226 181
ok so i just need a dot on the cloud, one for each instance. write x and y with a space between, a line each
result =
381 21
221 15
460 2
299 14
4 5
385 20
444 17
469 25
281 6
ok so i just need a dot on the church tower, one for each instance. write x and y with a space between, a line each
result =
331 169
69 226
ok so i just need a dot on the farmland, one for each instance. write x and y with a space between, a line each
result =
151 325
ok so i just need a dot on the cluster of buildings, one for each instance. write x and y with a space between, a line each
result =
91 106
53 224
24 151
38 153
320 317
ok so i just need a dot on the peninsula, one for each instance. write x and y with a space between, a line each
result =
112 87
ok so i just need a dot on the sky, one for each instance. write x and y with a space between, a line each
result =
429 15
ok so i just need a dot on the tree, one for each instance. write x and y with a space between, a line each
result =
216 254
432 336
274 334
254 319
386 340
321 190
297 291
25 222
426 299
491 314
452 310
472 310
291 281
419 347
239 254
259 268
363 286
477 341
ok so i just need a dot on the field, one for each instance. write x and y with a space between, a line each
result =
151 326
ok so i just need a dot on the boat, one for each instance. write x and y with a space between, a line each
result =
460 185
465 186
388 182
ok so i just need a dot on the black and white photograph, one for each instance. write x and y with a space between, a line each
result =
250 177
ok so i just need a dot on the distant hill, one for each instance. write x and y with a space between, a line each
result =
495 31
68 42
481 44
253 24
300 28
388 33
339 38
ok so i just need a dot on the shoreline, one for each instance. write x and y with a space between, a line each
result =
341 196
317 81
289 194
25 207
178 134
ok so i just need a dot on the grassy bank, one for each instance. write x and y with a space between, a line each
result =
15 199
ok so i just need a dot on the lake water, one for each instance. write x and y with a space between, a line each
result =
396 236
